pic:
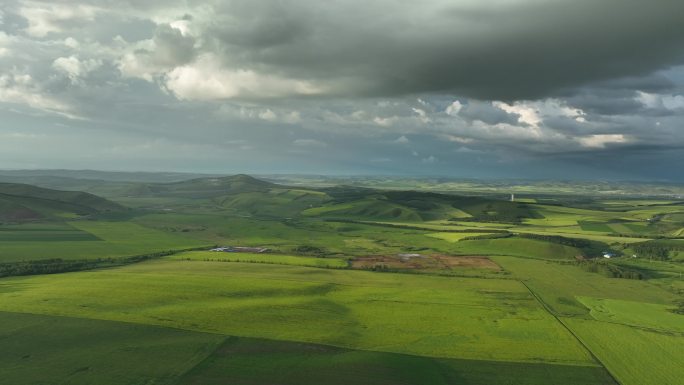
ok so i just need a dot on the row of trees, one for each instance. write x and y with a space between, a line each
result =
58 265
658 250
609 270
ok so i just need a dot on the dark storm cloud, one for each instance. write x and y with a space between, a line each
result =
505 51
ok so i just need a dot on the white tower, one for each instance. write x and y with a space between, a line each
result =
512 197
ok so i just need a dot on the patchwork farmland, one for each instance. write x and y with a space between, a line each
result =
334 285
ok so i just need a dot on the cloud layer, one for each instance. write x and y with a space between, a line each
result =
435 87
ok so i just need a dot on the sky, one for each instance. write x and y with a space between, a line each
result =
557 89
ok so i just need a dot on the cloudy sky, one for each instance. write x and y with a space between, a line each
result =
580 89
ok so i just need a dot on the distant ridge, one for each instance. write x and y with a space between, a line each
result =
21 202
205 187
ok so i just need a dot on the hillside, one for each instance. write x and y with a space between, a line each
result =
21 202
249 195
202 187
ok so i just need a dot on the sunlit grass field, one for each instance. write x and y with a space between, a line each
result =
634 356
486 319
277 259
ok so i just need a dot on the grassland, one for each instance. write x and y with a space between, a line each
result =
634 356
84 351
527 248
89 240
382 312
632 313
559 284
277 259
39 349
454 237
250 361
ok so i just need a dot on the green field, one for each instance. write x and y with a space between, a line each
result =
276 259
634 356
39 349
454 237
361 310
558 285
93 240
52 232
250 361
638 314
520 247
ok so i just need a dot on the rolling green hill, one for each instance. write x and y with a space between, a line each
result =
21 202
203 187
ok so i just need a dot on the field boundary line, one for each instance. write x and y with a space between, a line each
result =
552 313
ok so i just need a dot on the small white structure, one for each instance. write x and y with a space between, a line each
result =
512 197
608 255
240 249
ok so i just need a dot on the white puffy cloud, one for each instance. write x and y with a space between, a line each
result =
44 18
669 102
385 121
74 68
454 108
206 80
602 140
422 115
22 89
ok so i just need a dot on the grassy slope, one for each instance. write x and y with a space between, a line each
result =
432 316
19 202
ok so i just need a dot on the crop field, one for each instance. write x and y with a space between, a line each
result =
634 356
251 361
595 226
454 237
381 312
92 240
639 314
558 285
277 259
39 349
44 233
528 248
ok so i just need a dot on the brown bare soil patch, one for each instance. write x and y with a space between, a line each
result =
476 262
424 262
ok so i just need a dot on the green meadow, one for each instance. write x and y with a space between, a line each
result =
276 259
397 313
89 240
40 349
634 356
